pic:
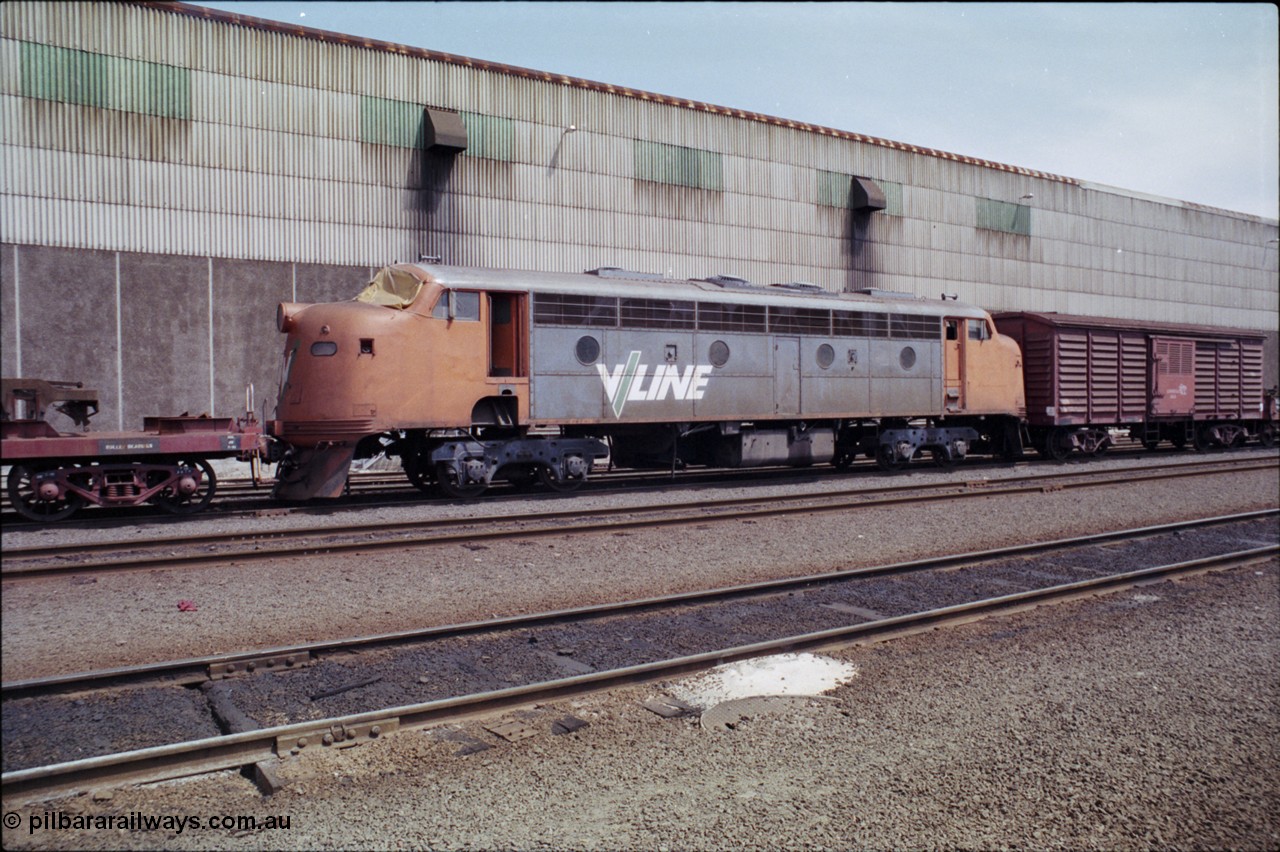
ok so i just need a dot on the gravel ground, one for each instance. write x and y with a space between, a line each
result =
1144 719
67 624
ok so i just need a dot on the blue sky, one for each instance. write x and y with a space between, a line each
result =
1176 100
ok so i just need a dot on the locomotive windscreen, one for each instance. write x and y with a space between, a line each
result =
394 288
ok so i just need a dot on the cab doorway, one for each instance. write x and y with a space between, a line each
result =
507 356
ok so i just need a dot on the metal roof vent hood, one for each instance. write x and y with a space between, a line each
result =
444 129
866 194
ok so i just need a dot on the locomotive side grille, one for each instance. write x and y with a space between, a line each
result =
320 427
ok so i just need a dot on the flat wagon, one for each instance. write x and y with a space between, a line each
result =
53 474
1185 384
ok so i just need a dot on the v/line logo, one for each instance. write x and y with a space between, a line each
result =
627 382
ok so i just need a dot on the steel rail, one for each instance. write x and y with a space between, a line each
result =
196 670
399 492
214 753
572 520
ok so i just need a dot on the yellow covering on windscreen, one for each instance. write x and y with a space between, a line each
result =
392 287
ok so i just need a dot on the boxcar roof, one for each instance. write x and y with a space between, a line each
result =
1057 320
644 287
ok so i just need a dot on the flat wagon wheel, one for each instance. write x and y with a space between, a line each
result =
447 481
26 496
193 490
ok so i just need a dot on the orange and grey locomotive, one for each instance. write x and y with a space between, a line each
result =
471 376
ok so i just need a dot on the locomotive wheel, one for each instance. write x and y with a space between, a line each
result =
418 474
548 477
888 460
522 477
23 496
447 481
171 500
942 458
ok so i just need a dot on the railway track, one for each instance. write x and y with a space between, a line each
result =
200 550
484 668
242 498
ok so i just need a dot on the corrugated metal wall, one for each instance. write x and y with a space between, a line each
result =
132 128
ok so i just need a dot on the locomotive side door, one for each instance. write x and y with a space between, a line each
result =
786 381
508 356
953 364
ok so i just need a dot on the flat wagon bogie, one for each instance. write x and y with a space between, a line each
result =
1087 376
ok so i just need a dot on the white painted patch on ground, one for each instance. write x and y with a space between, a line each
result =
783 674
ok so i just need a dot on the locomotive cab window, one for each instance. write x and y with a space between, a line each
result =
978 330
458 305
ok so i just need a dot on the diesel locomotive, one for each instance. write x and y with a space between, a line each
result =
471 376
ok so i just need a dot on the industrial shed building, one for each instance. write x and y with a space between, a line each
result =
171 172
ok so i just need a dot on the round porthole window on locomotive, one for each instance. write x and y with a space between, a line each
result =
587 350
907 357
324 347
718 353
826 356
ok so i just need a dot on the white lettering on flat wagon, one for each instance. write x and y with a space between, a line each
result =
627 382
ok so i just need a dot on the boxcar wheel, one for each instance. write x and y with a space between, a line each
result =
1267 435
1057 444
27 501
